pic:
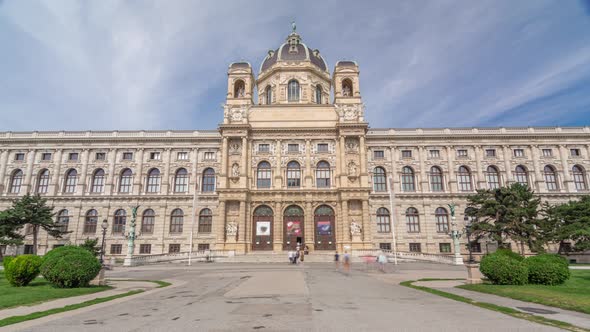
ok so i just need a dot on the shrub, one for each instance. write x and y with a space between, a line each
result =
69 267
6 261
509 253
547 269
21 270
503 269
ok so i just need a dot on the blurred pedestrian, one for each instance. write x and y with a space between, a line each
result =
346 262
337 260
382 259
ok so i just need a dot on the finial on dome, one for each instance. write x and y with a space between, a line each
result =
293 26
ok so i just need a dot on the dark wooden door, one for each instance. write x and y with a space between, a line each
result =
325 238
262 231
293 232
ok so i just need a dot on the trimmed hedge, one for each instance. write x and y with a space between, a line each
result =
502 268
509 253
547 269
21 270
70 266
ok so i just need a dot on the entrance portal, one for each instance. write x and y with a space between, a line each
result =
325 238
262 229
293 227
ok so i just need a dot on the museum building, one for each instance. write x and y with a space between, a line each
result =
293 161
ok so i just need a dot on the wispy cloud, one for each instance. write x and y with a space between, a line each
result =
161 64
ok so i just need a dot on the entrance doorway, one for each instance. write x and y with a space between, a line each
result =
325 238
293 230
262 229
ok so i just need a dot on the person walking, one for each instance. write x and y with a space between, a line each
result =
382 259
346 263
301 255
295 256
290 254
337 260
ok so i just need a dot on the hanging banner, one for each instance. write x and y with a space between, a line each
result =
294 228
263 228
324 228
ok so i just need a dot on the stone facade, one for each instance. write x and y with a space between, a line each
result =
295 164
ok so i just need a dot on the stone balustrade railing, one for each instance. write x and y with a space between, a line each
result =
170 257
417 256
478 131
110 134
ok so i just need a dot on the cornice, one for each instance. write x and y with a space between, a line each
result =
478 133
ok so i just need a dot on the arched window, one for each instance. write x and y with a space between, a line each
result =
263 175
379 182
550 178
579 178
408 183
119 221
464 177
43 182
205 221
63 219
318 94
16 181
347 88
521 175
90 222
322 175
208 185
383 224
126 181
412 220
442 220
71 180
239 89
268 95
153 181
97 181
436 179
147 221
293 175
293 91
176 221
181 181
493 177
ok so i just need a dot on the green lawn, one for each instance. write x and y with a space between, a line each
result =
38 291
574 294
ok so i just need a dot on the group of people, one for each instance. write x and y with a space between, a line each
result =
381 259
298 254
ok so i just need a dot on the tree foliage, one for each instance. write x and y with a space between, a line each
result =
567 222
91 245
9 231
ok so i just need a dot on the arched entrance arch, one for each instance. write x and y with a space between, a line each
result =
293 233
325 237
262 229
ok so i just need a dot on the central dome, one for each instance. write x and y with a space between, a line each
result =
293 50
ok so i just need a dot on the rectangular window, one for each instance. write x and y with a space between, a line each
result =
263 147
127 155
100 156
116 249
385 246
73 156
378 154
209 155
518 152
462 153
293 148
202 246
444 247
406 153
490 152
415 247
145 248
154 155
28 249
575 152
182 156
547 152
46 156
434 154
19 156
323 147
475 247
173 248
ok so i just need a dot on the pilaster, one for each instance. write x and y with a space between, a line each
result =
481 180
451 180
167 177
55 177
507 167
29 172
3 163
83 176
138 176
568 184
110 183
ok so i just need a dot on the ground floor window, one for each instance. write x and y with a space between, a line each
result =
57 245
145 248
475 247
444 247
175 247
203 246
385 246
116 249
415 247
28 249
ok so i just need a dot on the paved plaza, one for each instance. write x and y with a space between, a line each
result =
282 297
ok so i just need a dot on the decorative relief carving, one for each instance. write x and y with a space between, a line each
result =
351 112
352 169
231 229
235 170
235 114
352 145
355 228
235 147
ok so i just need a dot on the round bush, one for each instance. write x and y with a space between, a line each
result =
547 269
509 253
69 267
502 269
23 269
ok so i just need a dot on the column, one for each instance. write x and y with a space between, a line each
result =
249 169
394 175
56 174
138 173
344 229
451 181
3 162
244 162
481 182
277 228
224 154
309 226
423 179
538 178
82 184
507 166
242 221
342 162
29 172
110 184
366 221
307 172
166 176
277 178
193 180
568 184
363 151
220 229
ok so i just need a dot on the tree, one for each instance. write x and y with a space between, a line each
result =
567 222
33 210
91 245
9 231
506 213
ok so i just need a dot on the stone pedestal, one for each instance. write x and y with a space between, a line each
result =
99 280
473 274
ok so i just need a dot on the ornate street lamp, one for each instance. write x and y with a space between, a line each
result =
468 232
104 226
455 235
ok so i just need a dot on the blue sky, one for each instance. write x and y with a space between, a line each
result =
101 65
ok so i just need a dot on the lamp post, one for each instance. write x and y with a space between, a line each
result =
104 226
455 235
468 232
131 238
